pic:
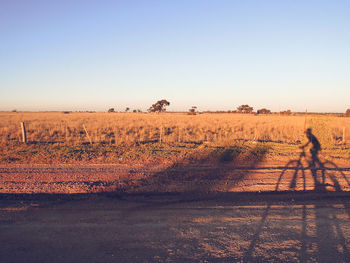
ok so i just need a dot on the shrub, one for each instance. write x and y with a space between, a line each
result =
245 109
192 111
347 113
286 112
263 111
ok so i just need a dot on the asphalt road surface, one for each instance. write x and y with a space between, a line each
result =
236 227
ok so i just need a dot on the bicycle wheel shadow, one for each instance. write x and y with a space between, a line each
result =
318 176
328 187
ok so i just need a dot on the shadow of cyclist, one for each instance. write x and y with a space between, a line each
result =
321 171
321 214
316 147
315 160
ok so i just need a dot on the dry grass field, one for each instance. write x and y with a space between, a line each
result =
112 137
94 152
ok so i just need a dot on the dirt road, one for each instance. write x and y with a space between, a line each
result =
174 178
230 227
178 213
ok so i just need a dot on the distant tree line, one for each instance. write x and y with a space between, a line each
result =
111 110
160 106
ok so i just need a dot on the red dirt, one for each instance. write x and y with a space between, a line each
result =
215 177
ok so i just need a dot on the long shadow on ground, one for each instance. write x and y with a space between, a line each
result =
209 173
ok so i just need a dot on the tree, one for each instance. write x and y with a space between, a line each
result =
192 111
159 106
347 113
245 109
127 109
263 111
111 110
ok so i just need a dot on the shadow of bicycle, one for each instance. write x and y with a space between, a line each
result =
303 174
322 220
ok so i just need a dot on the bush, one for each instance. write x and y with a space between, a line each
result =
245 109
263 111
286 112
192 111
347 113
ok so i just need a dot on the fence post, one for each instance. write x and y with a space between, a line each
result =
160 134
24 134
66 134
305 120
255 139
87 134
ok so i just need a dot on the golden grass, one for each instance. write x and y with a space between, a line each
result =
56 137
131 128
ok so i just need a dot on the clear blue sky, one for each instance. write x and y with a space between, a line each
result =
217 54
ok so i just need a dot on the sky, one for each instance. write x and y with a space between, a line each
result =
213 54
